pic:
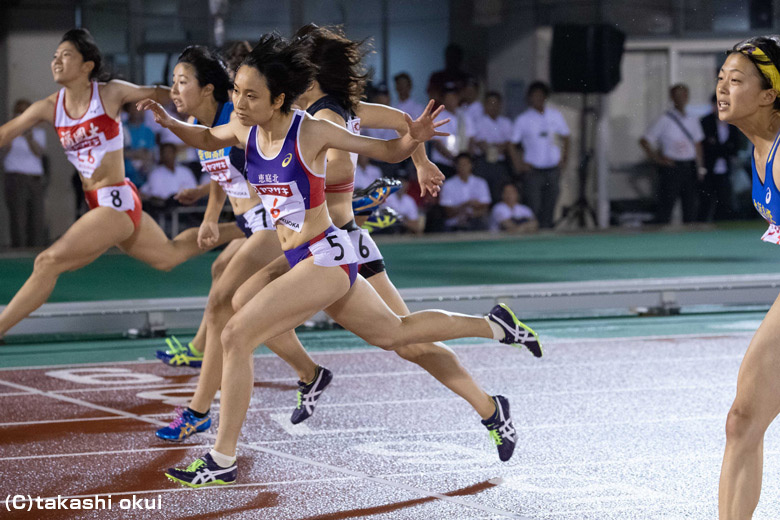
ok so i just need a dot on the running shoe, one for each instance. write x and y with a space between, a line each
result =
501 429
308 394
204 472
185 425
516 332
382 218
179 355
366 199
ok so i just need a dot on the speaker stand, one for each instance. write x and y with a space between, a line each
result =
580 211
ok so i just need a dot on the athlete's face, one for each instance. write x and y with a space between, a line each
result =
740 92
252 98
186 92
68 64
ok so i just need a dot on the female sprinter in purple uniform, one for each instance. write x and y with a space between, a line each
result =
748 93
85 113
286 152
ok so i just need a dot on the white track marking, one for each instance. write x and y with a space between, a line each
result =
270 451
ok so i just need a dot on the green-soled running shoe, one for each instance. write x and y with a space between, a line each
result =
516 332
179 355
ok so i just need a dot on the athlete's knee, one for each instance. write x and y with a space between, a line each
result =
217 268
220 297
240 298
164 263
231 336
49 262
743 424
419 351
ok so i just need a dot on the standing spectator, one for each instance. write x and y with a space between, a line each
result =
452 74
140 145
492 138
511 216
403 87
721 142
365 172
25 186
542 160
404 205
380 95
445 148
673 142
169 177
465 198
469 99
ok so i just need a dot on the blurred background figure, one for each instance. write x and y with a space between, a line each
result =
719 147
444 149
510 216
465 198
673 143
25 184
140 146
537 131
452 74
492 139
403 88
412 221
365 172
166 180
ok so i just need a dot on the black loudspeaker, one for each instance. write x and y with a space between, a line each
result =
585 58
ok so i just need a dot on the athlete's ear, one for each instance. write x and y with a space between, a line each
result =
87 67
278 102
768 96
208 90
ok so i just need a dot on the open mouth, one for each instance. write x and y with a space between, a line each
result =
723 105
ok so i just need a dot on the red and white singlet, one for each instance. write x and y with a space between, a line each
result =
87 139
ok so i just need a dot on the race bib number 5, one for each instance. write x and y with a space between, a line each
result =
333 250
119 198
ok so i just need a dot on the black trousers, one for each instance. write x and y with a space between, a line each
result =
716 198
24 197
677 181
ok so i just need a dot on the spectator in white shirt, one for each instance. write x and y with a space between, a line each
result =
510 216
542 160
404 205
673 143
470 105
465 198
380 95
445 148
169 177
25 185
403 87
365 172
492 138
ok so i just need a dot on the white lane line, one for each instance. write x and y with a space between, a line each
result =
375 350
56 421
270 451
15 394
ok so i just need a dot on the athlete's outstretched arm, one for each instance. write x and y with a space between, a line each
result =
208 234
326 135
197 136
123 92
373 115
42 110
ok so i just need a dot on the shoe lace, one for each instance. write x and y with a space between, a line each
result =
496 437
179 418
196 465
174 345
300 399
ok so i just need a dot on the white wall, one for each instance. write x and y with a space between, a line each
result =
29 76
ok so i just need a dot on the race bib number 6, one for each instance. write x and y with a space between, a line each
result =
119 198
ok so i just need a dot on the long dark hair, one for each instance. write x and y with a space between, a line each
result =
770 46
85 44
341 73
285 67
209 70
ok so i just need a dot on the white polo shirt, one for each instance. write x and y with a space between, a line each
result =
455 192
164 183
367 175
502 212
493 131
410 106
460 130
666 135
404 205
21 159
536 132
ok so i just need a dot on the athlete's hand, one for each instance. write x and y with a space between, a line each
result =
188 196
161 117
208 234
430 178
424 127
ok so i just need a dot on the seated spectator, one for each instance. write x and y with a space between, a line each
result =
140 145
465 198
492 138
168 178
510 216
365 172
405 206
403 87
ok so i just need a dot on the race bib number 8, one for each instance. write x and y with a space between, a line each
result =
119 198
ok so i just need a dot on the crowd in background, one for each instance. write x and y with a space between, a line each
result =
502 175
